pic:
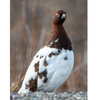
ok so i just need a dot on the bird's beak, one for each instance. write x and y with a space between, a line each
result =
63 16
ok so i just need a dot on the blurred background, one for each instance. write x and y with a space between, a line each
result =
30 27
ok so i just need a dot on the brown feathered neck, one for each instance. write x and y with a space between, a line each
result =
59 38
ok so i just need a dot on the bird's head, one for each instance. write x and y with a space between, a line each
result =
59 17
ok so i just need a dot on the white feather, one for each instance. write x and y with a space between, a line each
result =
56 40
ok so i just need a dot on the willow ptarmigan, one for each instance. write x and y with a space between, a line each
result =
53 63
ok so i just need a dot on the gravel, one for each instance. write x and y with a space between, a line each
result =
49 96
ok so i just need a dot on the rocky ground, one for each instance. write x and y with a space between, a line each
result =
49 96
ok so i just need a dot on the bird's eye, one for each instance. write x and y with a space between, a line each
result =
57 15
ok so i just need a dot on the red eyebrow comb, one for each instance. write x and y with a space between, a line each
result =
56 13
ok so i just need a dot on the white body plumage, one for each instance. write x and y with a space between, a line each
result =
58 69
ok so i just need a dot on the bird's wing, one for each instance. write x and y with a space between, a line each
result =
59 64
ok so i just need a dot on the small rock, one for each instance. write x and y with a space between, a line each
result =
35 98
63 96
26 98
55 96
78 97
44 98
74 95
38 95
58 96
69 92
22 94
55 99
80 92
15 96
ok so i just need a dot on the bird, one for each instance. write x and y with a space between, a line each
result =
53 63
